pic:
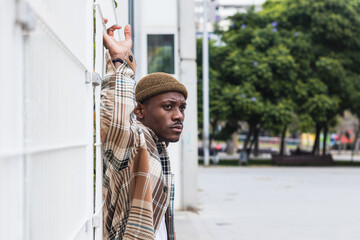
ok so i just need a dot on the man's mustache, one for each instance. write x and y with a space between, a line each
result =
177 124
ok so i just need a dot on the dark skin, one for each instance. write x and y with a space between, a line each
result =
164 114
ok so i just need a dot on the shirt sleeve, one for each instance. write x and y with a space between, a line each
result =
117 104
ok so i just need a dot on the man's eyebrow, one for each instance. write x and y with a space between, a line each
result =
172 101
168 100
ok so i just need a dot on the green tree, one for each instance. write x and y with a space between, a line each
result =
260 58
294 59
323 39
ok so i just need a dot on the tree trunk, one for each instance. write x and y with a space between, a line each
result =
235 139
231 144
282 143
315 150
339 146
326 129
256 140
212 135
250 147
247 140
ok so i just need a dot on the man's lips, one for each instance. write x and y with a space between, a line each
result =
177 128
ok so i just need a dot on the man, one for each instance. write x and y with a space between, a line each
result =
138 185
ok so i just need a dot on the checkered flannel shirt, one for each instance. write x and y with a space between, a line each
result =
137 186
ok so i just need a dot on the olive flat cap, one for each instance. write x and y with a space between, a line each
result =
158 83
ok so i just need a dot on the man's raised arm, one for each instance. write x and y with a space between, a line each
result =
117 94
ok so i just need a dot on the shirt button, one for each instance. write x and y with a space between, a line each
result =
131 58
165 188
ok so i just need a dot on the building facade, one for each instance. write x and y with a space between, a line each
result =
220 10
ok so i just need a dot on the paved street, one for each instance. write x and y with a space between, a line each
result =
274 203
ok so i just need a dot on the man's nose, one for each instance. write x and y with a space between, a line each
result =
178 115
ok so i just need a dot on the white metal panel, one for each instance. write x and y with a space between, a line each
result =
11 198
11 79
46 145
68 19
58 119
99 68
56 94
56 193
11 161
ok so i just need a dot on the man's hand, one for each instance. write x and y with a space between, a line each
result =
117 49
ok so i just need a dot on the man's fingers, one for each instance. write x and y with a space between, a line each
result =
108 41
111 43
111 29
127 32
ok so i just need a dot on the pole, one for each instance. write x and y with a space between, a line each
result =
205 88
131 20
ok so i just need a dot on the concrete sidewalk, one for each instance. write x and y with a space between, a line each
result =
274 203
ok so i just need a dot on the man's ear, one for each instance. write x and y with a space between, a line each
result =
139 111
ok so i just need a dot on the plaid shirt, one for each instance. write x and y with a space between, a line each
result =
138 188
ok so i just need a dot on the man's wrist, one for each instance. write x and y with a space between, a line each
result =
118 55
125 56
120 52
117 62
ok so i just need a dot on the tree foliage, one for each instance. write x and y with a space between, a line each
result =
294 59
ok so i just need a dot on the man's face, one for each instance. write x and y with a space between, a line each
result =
164 114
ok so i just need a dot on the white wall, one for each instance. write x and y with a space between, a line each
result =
46 147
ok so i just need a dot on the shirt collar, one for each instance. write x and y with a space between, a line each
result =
154 136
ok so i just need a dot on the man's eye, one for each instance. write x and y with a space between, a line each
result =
167 107
182 108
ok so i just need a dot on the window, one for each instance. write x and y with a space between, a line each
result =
160 53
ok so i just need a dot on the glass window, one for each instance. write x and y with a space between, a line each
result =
160 53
